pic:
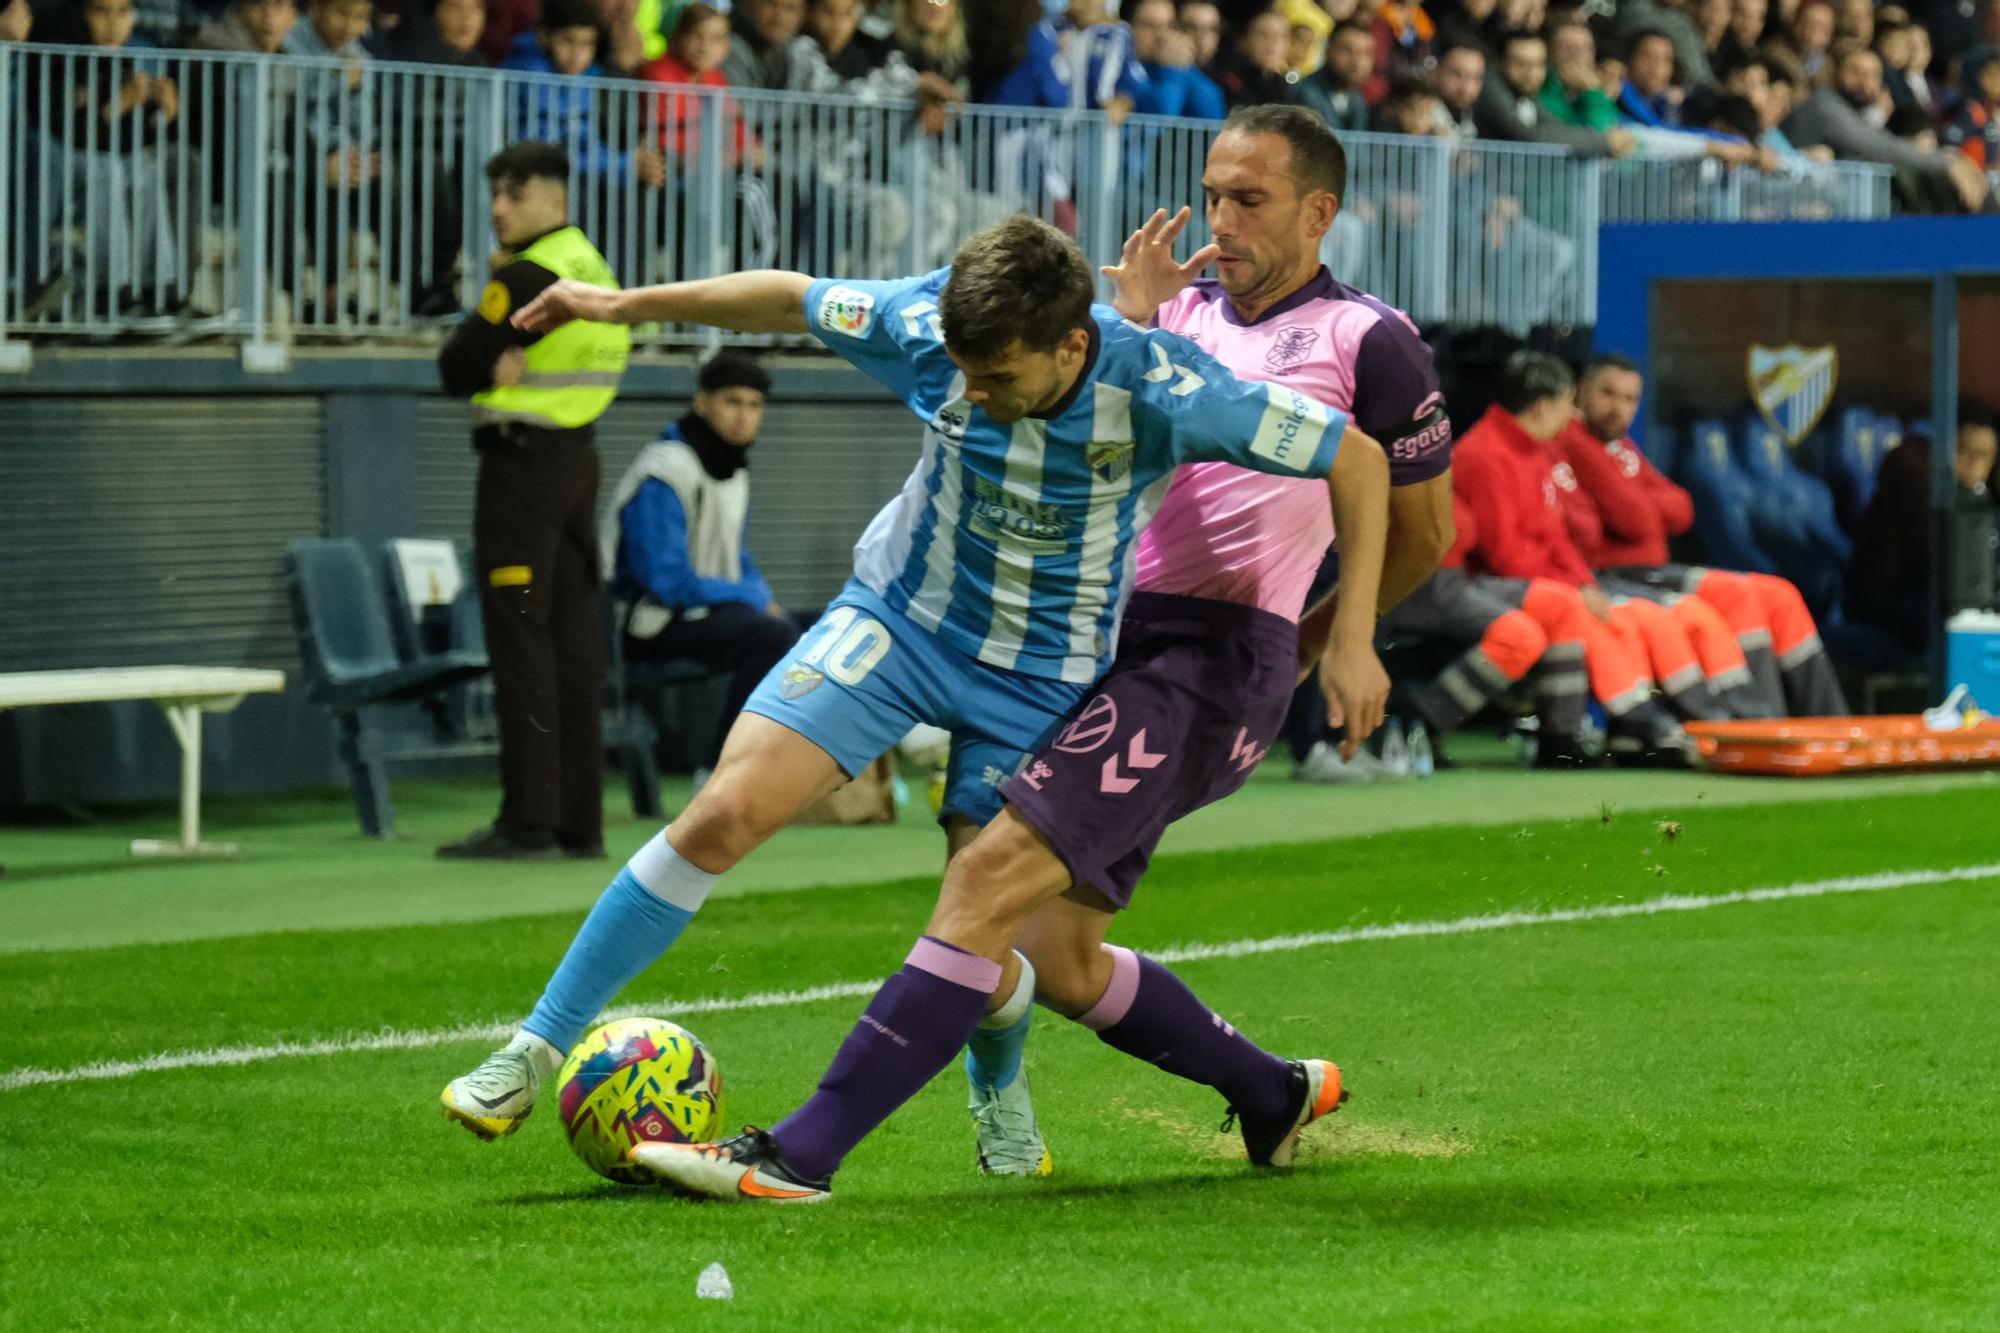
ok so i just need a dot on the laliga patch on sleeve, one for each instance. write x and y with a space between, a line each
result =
845 310
494 302
1292 428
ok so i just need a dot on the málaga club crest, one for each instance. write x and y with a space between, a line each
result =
1792 386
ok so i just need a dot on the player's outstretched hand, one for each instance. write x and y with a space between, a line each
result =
1357 692
563 302
1147 275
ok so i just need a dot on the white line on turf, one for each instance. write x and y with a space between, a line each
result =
425 1038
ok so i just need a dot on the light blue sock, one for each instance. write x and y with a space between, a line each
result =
638 917
993 1056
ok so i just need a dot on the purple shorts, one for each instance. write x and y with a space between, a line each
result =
1194 698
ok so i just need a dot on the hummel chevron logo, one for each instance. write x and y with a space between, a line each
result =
1164 370
1138 757
1245 755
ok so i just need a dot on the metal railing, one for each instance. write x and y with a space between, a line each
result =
267 199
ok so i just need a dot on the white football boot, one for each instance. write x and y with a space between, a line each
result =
495 1098
1010 1142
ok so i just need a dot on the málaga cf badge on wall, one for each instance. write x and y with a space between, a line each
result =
1792 386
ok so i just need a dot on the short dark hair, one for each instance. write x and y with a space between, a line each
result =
1349 25
1017 280
1907 121
1408 88
1453 47
1604 361
560 14
1633 42
1318 160
1519 35
530 159
1973 413
1735 113
1529 378
730 369
692 16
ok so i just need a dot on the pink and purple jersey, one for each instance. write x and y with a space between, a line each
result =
1226 533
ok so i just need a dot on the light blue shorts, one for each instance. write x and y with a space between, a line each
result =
862 676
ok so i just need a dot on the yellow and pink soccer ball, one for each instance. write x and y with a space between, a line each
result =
633 1081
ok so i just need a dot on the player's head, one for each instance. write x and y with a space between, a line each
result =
1016 315
729 395
1607 397
1273 182
1538 391
530 188
1972 462
567 33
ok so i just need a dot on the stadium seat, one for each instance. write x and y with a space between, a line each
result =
1724 501
348 658
1814 551
1850 463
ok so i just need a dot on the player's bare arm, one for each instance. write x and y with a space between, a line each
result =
1147 275
1420 532
1356 686
760 301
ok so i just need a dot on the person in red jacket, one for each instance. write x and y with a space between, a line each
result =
1638 509
1489 598
1518 502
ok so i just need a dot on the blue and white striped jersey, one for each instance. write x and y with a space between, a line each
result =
1014 543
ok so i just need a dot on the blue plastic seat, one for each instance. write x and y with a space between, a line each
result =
1724 501
349 661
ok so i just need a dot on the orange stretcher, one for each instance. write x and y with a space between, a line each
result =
1812 747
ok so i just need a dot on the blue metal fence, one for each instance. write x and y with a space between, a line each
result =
179 194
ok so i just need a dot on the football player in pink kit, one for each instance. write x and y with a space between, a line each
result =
1209 652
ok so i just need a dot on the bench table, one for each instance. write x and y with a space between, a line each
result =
183 693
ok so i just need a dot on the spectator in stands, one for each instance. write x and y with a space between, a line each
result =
1711 19
1833 117
448 34
251 26
1173 86
1906 61
1650 96
337 113
16 21
1573 92
1403 37
560 111
1776 90
694 56
763 44
1510 107
1473 23
1854 21
1895 539
1810 35
931 34
676 536
1253 74
1335 91
1975 129
1461 74
1635 510
1411 108
1747 19
97 126
1202 22
1636 16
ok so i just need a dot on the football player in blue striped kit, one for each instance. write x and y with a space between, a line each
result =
985 595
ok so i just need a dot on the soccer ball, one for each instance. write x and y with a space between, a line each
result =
635 1080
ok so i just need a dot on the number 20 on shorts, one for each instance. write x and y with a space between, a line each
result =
850 647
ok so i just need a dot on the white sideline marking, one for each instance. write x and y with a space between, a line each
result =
423 1039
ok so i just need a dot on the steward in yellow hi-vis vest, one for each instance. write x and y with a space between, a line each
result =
535 401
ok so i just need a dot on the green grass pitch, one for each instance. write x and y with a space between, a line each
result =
1752 1115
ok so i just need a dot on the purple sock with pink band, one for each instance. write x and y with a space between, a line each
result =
917 1022
1148 1012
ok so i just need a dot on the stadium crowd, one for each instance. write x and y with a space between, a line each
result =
1751 83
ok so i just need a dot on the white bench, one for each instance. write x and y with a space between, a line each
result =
185 693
